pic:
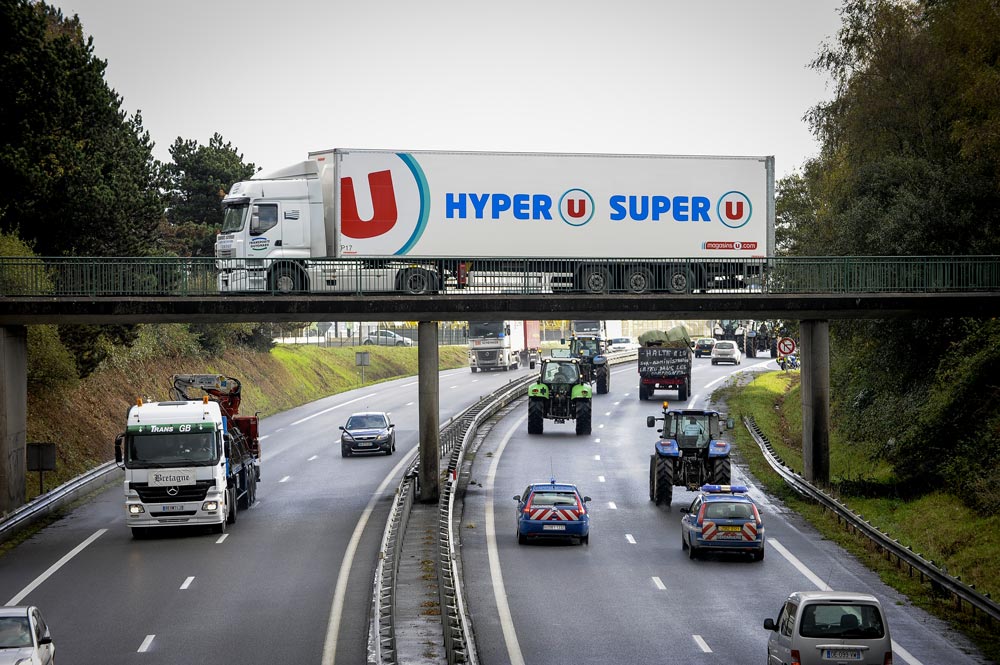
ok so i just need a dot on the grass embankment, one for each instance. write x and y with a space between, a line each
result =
84 421
937 524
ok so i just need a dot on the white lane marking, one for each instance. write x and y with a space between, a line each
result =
410 403
320 413
144 647
255 503
312 458
612 506
222 539
823 586
629 538
659 584
280 429
475 380
597 458
187 583
702 644
340 592
616 404
453 387
601 426
600 479
54 567
499 593
694 399
597 440
261 438
607 413
411 383
284 480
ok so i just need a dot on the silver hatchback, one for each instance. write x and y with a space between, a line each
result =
829 628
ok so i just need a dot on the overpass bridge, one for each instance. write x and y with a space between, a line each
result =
814 290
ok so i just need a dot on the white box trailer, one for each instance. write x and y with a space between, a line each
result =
417 221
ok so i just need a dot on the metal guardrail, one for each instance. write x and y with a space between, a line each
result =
939 579
205 276
55 499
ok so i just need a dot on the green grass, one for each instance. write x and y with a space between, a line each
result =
937 525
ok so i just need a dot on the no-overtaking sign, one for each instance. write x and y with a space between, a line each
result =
786 346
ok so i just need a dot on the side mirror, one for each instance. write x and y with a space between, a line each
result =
341 428
769 624
685 510
730 423
650 421
586 499
227 440
517 497
390 425
118 449
45 640
562 340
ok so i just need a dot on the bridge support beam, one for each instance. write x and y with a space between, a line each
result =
13 415
815 357
428 405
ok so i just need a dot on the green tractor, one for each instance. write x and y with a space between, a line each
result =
560 394
589 350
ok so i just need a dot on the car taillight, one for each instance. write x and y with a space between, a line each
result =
527 507
888 658
701 514
796 659
756 514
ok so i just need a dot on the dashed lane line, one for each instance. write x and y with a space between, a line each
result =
55 567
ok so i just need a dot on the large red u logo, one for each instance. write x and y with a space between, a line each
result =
730 213
576 208
384 215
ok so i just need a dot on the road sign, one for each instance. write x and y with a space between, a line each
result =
786 346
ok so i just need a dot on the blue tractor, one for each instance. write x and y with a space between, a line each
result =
689 453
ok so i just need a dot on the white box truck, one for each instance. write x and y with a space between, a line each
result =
424 221
504 344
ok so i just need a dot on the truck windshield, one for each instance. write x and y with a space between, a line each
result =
235 216
492 329
163 450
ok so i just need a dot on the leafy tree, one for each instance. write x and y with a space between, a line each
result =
79 174
199 178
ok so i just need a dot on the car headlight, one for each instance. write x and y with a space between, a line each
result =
210 506
135 509
384 436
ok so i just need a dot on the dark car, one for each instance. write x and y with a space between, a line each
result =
703 347
552 510
368 432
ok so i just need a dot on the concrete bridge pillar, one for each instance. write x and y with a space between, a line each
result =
815 364
428 405
13 415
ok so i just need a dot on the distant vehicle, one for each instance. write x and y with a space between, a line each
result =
723 518
622 344
704 346
387 338
552 510
368 432
24 637
504 345
726 351
825 627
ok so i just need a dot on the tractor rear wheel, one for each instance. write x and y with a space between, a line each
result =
722 471
536 416
664 481
603 380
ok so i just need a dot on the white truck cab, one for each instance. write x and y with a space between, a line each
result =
182 467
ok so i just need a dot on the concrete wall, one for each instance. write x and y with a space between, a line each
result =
13 415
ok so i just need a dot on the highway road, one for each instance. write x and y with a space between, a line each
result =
290 582
632 595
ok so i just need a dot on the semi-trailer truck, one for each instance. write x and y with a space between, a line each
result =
503 344
349 220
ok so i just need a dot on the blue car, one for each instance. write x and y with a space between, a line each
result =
552 510
723 518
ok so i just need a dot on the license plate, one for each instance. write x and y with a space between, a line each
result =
730 528
365 443
841 654
172 508
729 536
553 527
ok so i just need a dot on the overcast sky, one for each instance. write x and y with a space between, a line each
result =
279 79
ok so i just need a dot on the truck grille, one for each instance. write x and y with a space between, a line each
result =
487 356
194 492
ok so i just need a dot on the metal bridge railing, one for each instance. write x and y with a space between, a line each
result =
940 580
180 277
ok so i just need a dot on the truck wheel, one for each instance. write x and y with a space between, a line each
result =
682 392
583 417
220 527
595 279
679 280
723 469
643 392
252 489
692 552
536 416
140 532
664 481
231 502
603 381
473 369
286 279
243 502
639 280
416 282
521 538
